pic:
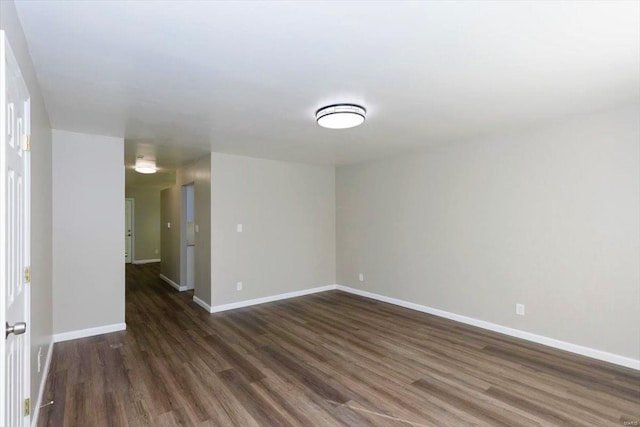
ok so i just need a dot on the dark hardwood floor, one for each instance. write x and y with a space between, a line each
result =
320 360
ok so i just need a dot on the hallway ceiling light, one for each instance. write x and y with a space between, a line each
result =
145 166
340 116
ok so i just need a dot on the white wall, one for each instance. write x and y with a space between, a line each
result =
548 217
41 200
88 231
288 217
170 236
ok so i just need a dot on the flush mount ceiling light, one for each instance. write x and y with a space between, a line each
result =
145 166
341 116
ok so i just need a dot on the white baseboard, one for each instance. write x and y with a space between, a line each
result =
202 304
43 383
172 283
247 303
551 342
83 333
145 261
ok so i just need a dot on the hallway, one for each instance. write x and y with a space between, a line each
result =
323 359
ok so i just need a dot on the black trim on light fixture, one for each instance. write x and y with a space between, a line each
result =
342 105
341 109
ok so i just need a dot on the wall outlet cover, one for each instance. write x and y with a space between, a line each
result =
361 277
239 228
520 309
239 286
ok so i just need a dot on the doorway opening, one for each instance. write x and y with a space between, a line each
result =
128 230
188 232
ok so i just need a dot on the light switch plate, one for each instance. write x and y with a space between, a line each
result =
239 228
168 225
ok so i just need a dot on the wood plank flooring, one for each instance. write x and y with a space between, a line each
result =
320 360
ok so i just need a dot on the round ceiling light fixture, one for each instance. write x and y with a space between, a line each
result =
145 166
341 116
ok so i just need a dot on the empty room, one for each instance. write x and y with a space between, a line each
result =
320 213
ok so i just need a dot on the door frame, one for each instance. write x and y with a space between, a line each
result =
133 227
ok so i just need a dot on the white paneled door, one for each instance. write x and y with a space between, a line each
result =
14 240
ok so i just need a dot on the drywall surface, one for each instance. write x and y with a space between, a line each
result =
287 214
170 233
88 232
146 224
41 322
548 217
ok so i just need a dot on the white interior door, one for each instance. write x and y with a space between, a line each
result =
14 240
128 230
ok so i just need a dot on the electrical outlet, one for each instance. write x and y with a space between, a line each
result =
168 225
239 286
361 277
157 251
520 309
39 358
239 228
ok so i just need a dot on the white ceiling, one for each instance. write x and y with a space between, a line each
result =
178 79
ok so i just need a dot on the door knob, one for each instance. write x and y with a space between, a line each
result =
18 329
